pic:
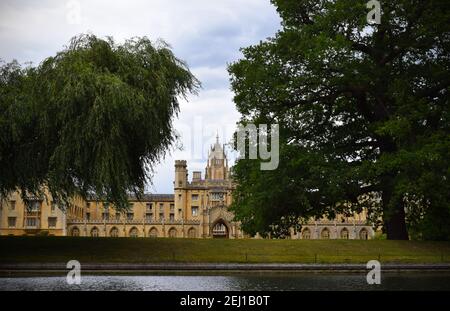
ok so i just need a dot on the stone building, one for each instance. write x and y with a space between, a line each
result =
198 208
43 217
354 227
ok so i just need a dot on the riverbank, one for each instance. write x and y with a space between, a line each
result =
208 268
44 250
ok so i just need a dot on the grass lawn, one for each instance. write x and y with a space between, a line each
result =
141 250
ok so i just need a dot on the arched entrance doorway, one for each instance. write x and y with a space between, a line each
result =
220 229
134 233
94 232
153 233
75 231
114 233
363 234
306 234
325 234
172 233
192 234
344 234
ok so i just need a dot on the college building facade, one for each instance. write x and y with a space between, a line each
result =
198 208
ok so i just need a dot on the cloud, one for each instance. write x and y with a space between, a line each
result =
206 34
211 77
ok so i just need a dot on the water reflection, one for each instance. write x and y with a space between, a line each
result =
303 281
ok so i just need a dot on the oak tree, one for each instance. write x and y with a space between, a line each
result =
363 112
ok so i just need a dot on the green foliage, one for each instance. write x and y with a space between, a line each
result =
363 112
92 120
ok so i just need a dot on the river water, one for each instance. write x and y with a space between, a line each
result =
238 282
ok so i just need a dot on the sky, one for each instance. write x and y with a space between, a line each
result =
206 34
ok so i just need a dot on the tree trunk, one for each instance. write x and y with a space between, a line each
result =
394 217
393 207
396 225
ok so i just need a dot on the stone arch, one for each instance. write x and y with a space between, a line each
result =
173 232
95 232
325 234
344 234
75 231
220 229
306 234
192 233
114 232
134 232
363 234
153 232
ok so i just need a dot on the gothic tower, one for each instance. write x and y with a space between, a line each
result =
217 165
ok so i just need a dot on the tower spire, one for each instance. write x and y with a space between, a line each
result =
217 137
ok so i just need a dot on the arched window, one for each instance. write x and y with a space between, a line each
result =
363 234
153 233
134 233
114 233
344 234
325 234
192 234
75 231
172 233
94 232
306 234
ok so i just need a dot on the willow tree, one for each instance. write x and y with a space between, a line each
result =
363 112
92 120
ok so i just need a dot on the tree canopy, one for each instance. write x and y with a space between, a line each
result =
92 120
363 113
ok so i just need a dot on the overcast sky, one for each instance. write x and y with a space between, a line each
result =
207 34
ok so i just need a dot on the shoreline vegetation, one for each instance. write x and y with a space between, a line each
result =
19 250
